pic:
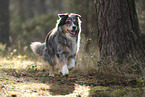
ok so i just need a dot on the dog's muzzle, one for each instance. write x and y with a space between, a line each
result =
72 32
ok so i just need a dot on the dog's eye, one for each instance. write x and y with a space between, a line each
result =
75 22
68 22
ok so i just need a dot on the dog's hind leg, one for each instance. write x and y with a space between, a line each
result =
51 71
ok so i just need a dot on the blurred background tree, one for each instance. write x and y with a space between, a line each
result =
4 21
28 9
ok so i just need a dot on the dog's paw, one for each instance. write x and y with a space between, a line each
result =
65 70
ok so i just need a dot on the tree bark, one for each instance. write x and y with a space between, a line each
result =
118 30
4 21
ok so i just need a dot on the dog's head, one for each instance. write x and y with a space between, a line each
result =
69 24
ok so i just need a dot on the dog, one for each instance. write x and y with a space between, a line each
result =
61 44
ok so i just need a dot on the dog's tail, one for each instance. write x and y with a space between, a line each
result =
37 48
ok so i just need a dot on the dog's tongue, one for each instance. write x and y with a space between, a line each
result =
73 32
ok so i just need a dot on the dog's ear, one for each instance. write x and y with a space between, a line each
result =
77 15
62 15
63 18
74 14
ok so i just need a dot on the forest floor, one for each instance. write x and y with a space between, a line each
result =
24 77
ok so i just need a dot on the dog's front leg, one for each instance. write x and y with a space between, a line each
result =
65 70
71 63
64 67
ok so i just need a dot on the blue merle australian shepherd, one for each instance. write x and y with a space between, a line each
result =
61 44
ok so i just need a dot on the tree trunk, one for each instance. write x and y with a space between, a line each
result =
4 21
118 30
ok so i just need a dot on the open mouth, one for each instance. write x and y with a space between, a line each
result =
71 32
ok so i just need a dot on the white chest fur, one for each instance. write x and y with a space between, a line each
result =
74 46
73 49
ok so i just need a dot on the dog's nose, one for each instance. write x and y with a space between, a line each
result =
74 27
